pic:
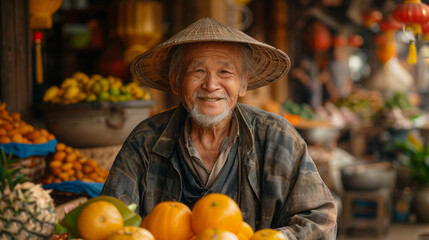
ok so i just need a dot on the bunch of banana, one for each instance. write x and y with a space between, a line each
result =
82 88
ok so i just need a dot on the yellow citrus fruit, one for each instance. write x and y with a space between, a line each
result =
246 231
268 234
131 233
98 220
216 233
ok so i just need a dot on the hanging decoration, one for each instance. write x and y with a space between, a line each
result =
386 46
38 69
318 37
371 18
355 40
41 18
412 13
41 13
139 26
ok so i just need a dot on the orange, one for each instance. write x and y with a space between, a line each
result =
60 147
3 132
246 231
40 139
169 220
55 164
268 234
216 210
17 138
98 220
216 233
131 233
60 156
5 139
71 157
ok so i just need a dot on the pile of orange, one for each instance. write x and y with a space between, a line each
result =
214 216
68 164
14 129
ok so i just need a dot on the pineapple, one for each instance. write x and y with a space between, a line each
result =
26 210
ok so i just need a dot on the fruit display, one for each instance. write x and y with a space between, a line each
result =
364 103
214 216
68 164
102 218
14 129
95 88
26 210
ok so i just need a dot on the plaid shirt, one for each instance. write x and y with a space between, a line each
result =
279 182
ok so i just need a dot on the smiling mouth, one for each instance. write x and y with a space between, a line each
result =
211 99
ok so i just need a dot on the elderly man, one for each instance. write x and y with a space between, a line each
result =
211 143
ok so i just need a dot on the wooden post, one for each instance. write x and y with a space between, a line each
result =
15 64
278 38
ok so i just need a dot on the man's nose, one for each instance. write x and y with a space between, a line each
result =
211 82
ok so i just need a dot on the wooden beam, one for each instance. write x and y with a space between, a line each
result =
278 38
15 63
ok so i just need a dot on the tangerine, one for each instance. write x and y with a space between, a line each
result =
98 220
131 233
216 233
268 234
216 210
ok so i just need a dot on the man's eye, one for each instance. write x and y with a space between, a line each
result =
199 70
225 71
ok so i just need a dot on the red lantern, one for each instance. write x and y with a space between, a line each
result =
355 41
412 13
371 17
320 37
340 41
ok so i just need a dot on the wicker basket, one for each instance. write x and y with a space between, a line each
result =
104 156
33 167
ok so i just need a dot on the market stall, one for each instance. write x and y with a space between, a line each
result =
355 93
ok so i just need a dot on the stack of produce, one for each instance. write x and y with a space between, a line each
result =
215 216
29 144
398 112
26 210
14 129
68 164
82 88
364 103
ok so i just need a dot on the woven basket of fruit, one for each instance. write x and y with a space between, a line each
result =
103 155
32 167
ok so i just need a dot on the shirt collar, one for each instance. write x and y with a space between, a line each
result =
165 144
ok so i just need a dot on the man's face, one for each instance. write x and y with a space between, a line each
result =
212 81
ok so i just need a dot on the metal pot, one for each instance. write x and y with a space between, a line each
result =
368 176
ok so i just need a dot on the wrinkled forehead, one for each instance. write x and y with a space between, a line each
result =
229 51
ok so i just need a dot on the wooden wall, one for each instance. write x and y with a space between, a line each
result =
15 64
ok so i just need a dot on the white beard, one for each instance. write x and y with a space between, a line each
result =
206 120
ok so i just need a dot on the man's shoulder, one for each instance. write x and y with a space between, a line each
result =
258 115
155 123
258 119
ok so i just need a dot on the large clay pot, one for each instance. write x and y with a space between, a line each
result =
421 204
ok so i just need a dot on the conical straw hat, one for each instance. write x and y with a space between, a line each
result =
152 67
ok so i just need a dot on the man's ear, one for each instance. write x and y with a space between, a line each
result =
243 89
175 89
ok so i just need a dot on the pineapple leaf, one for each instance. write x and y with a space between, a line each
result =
9 177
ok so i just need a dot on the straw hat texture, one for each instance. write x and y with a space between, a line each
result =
152 67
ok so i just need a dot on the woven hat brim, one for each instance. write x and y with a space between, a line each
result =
152 67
